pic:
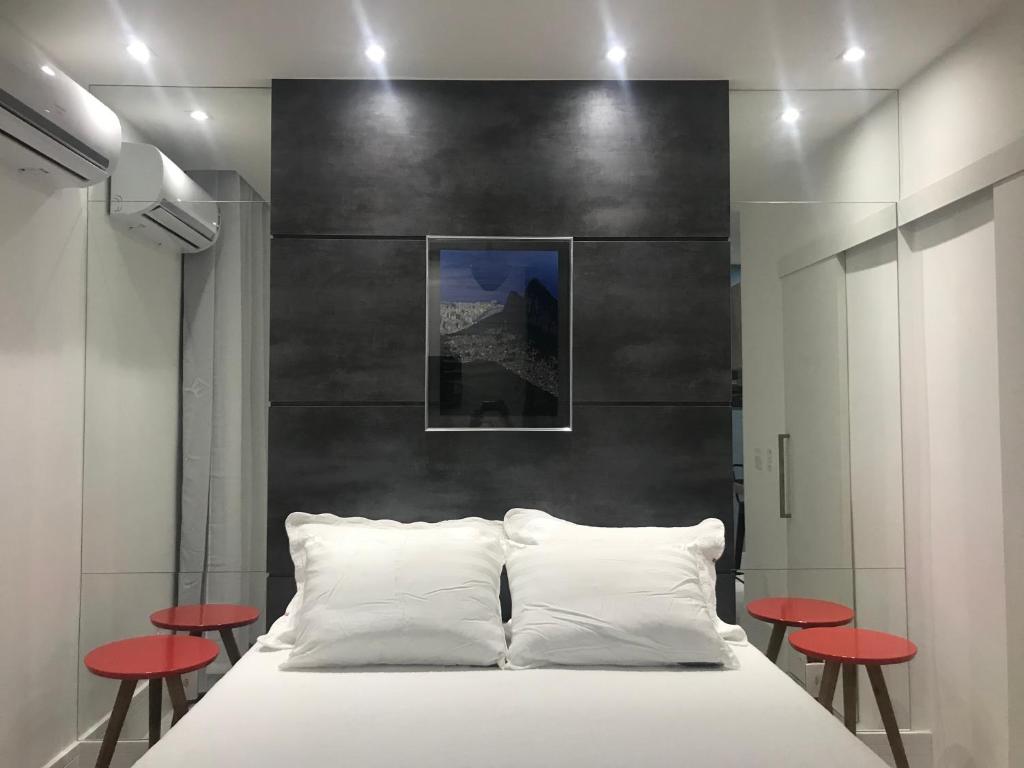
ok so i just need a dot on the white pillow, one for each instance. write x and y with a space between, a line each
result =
301 525
400 596
533 526
606 602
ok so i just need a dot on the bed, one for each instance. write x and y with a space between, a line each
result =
259 716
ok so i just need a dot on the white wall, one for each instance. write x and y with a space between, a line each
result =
766 234
42 335
961 374
764 405
862 162
1009 236
967 105
954 513
130 483
845 150
132 392
876 445
108 402
961 335
876 471
819 530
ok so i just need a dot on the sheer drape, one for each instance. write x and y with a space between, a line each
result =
225 328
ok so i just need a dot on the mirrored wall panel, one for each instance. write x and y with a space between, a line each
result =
177 347
815 179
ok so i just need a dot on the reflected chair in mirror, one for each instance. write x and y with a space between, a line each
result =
208 617
797 612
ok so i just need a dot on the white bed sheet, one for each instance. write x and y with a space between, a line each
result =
258 716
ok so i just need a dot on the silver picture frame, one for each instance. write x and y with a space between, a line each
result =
564 239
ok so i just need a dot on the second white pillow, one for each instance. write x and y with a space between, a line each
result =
610 603
534 526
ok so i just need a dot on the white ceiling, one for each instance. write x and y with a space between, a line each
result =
770 160
753 43
236 137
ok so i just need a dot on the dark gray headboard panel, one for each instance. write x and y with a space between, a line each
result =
621 465
414 157
637 172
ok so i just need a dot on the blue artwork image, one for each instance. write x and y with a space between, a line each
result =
500 333
492 275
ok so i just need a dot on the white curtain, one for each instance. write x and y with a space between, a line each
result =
225 330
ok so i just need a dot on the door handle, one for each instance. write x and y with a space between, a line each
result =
784 512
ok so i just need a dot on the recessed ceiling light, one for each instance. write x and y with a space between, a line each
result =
198 115
853 54
790 115
616 54
138 50
375 53
48 70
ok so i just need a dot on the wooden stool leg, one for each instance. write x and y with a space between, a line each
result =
177 693
850 697
155 705
775 644
230 645
117 715
829 678
892 729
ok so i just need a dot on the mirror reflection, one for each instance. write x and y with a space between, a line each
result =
178 264
815 247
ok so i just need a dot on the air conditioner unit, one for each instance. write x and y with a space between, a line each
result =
153 198
51 128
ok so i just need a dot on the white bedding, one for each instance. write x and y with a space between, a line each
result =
258 716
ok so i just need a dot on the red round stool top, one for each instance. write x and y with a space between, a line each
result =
152 656
205 618
800 612
853 646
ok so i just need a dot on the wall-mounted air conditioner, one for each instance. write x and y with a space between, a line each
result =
153 198
51 128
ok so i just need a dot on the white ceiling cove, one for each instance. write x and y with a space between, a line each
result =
754 43
236 137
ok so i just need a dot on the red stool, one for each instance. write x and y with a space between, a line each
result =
153 658
197 619
846 647
798 612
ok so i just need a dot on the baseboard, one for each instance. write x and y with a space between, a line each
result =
917 743
68 758
83 753
96 730
125 756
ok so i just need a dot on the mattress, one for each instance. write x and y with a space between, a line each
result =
258 716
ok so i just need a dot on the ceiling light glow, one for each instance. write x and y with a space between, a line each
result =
138 50
790 115
854 54
375 53
616 54
199 116
48 70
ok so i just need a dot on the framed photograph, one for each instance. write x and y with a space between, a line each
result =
499 333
